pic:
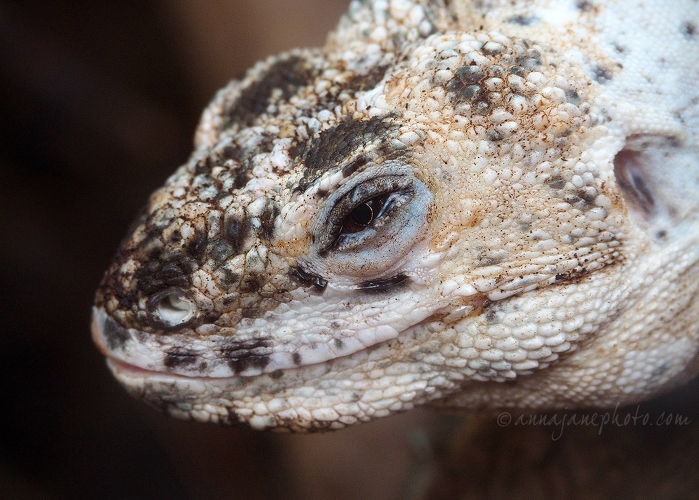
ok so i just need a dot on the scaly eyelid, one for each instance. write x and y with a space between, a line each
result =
379 179
372 188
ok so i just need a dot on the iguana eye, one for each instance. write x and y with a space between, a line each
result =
357 214
371 222
364 215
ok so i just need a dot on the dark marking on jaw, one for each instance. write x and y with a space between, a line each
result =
587 193
467 75
287 76
308 279
233 348
239 365
336 144
115 335
384 285
241 355
178 357
296 358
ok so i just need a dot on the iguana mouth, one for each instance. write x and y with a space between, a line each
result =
119 367
126 350
124 371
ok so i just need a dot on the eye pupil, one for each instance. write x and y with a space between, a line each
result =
362 215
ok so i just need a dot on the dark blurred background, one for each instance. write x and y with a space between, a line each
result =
98 104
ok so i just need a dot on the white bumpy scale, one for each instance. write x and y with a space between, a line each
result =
478 205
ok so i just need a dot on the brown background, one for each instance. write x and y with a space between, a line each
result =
98 103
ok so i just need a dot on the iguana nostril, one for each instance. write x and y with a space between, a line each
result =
171 308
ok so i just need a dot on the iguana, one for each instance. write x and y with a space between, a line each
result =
480 204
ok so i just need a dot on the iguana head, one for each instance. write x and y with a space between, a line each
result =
413 214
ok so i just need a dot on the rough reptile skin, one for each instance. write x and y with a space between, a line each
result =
479 205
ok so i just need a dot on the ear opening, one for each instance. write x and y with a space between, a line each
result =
658 178
635 185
